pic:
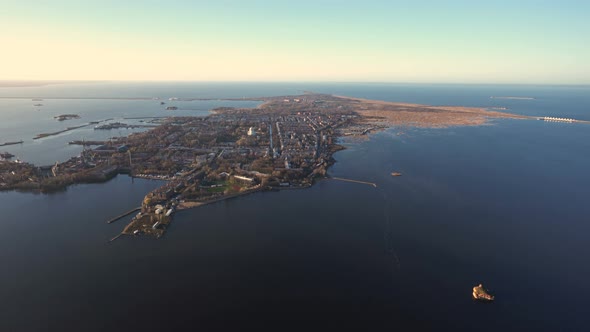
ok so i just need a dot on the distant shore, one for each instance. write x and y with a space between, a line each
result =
130 98
511 97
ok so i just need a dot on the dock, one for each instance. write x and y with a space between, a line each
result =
123 215
355 181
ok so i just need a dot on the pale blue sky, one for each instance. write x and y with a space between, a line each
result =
321 40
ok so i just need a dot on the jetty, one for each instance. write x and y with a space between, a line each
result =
11 143
43 135
355 181
110 221
116 237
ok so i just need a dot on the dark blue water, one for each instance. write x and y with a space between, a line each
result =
503 204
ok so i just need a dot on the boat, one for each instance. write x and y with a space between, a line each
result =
480 293
38 105
171 108
396 174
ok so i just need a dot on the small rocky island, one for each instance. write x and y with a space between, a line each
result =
120 125
112 125
482 294
285 142
65 117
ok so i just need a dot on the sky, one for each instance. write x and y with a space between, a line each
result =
452 41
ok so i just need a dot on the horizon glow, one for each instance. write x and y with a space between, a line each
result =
530 42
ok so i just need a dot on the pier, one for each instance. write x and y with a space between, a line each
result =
356 181
123 215
116 237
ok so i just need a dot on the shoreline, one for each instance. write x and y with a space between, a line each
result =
289 145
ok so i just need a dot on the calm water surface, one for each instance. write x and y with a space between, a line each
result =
503 204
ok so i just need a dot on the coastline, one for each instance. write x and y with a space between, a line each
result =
304 129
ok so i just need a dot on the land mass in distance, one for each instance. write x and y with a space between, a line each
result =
286 142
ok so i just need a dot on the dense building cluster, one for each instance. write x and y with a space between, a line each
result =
282 143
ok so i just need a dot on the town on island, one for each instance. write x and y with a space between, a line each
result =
286 142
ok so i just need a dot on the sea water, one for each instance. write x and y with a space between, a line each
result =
504 204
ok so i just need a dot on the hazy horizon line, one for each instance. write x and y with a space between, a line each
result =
43 82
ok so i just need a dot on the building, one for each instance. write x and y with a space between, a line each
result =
244 179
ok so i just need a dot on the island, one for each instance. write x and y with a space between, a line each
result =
286 142
65 117
120 125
